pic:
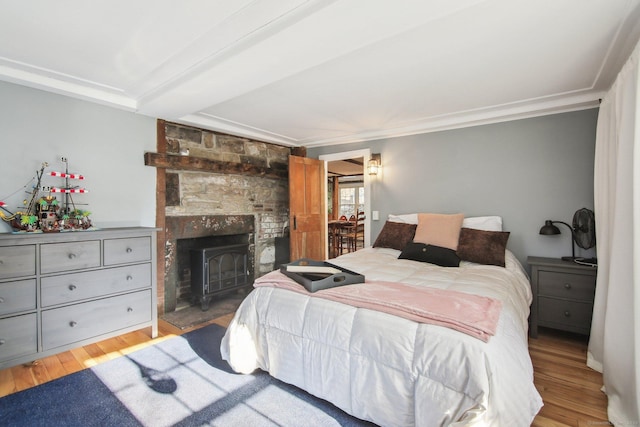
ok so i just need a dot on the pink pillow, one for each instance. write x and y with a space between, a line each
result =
439 229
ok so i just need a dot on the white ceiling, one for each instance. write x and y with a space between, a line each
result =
319 72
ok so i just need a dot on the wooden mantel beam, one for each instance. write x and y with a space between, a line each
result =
201 164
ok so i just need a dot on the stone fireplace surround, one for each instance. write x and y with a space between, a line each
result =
226 185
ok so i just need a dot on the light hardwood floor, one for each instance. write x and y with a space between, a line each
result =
28 375
570 390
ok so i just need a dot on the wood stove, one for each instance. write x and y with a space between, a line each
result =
218 269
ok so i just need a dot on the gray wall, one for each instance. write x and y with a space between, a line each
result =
104 144
525 171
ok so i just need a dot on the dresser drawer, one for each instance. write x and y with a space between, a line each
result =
91 284
18 336
17 296
56 257
17 261
122 251
66 325
567 285
568 315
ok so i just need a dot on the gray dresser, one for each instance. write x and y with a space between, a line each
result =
563 294
63 290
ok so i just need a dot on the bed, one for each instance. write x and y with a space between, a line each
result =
387 368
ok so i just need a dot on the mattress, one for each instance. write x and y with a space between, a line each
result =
388 369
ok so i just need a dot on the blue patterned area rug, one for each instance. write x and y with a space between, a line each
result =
181 381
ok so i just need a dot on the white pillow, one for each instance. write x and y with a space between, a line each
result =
487 223
405 219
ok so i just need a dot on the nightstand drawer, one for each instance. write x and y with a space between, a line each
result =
567 315
567 285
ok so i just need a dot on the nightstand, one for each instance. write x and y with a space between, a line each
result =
563 294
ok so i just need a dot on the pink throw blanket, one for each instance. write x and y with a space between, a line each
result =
473 315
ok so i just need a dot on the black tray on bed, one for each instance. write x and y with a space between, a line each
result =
319 274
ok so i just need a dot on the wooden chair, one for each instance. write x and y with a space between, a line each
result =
334 239
337 236
342 234
355 233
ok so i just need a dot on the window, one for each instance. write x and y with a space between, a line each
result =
351 200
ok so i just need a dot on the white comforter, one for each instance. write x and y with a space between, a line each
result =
390 370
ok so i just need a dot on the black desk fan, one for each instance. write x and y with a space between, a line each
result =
584 233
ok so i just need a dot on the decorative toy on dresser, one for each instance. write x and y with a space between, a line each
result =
44 213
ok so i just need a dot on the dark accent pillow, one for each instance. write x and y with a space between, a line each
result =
438 255
482 247
395 235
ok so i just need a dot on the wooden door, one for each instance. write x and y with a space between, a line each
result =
307 209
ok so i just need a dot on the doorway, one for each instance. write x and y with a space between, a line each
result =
351 165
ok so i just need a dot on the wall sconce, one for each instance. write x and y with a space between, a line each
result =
373 167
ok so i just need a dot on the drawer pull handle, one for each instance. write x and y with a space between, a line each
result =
567 314
129 250
1 300
567 285
72 287
129 310
129 278
2 342
72 255
1 261
73 324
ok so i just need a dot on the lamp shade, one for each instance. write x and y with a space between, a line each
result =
374 164
373 167
549 229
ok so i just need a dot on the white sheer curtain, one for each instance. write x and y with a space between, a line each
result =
614 346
